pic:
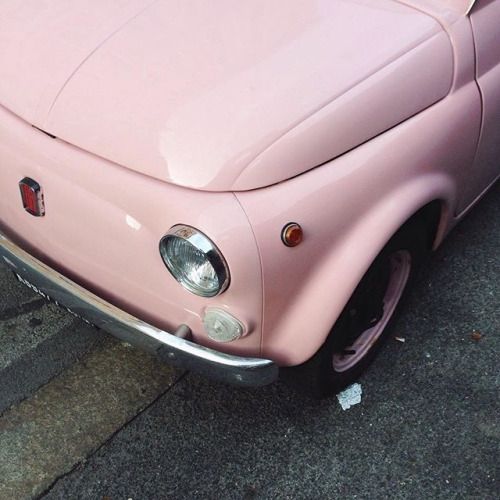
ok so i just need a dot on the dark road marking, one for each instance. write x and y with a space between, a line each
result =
45 436
13 312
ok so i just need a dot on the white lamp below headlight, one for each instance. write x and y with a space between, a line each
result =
222 326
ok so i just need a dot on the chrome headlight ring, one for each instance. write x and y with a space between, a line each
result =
194 261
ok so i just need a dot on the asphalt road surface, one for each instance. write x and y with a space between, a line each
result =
83 416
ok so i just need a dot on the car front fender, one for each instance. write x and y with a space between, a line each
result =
349 208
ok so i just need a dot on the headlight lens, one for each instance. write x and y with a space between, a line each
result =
194 261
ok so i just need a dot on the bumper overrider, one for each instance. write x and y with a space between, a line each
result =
174 348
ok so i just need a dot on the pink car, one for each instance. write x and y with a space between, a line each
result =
242 186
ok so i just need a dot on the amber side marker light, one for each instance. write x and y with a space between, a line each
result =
292 234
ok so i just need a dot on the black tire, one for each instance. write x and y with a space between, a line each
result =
330 370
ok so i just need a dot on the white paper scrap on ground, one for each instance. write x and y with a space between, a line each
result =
350 396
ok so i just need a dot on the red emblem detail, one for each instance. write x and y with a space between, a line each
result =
32 196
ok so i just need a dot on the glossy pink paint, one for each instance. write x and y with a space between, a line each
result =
103 225
169 105
237 118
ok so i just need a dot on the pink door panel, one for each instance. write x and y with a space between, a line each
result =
485 18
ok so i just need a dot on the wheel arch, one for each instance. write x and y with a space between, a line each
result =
428 198
433 216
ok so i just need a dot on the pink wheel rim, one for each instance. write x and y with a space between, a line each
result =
400 265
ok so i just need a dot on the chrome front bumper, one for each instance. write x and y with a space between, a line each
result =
174 348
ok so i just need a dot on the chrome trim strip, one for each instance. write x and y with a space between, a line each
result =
172 348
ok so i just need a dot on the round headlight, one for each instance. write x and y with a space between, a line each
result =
194 261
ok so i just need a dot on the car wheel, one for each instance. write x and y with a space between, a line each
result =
366 321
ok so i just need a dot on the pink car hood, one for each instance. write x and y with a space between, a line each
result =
219 95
